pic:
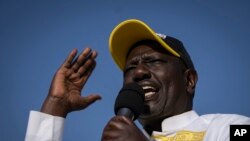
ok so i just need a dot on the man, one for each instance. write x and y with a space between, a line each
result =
161 66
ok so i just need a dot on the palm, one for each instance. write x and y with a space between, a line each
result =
69 80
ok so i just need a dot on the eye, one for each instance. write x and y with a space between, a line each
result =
156 61
128 69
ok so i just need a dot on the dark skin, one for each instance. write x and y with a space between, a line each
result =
65 90
150 64
147 64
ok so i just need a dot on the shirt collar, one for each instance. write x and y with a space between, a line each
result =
178 121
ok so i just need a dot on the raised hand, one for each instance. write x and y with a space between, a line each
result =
120 128
65 90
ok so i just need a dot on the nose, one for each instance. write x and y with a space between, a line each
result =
141 73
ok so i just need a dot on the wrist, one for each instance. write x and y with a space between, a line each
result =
54 106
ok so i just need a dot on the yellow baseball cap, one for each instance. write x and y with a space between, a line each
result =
129 32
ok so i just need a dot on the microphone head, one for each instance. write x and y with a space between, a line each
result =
131 96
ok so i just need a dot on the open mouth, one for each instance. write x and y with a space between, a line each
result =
149 91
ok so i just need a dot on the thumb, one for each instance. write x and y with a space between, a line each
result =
88 100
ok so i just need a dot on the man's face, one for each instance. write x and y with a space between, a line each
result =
162 77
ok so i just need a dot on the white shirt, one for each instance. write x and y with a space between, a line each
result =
188 126
44 127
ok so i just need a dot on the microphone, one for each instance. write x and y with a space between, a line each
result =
130 101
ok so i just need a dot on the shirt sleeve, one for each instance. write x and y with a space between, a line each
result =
44 127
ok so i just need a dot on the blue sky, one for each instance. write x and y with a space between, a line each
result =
36 36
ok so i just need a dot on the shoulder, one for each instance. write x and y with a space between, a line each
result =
219 124
226 119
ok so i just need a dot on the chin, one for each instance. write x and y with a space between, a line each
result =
150 116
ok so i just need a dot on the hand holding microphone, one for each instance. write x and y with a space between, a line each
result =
128 106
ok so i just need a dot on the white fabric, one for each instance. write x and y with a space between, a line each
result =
215 126
44 127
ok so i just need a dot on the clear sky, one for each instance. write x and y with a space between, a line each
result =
36 36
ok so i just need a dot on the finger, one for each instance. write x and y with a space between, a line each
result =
88 100
93 55
69 59
119 122
85 72
108 135
88 63
83 57
88 66
111 130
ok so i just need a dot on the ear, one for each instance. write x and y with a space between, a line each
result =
191 80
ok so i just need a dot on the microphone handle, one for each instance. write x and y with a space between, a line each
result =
126 112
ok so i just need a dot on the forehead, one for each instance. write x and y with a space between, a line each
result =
146 47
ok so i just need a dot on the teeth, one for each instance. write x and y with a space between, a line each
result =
148 87
149 91
149 94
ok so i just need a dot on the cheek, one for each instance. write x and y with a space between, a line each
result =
175 94
167 101
171 89
127 80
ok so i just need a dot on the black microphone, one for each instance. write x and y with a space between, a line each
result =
130 101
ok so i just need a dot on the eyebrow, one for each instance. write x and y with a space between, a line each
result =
145 56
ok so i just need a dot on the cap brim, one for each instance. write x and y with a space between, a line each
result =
126 34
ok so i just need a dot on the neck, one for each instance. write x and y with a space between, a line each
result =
150 126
